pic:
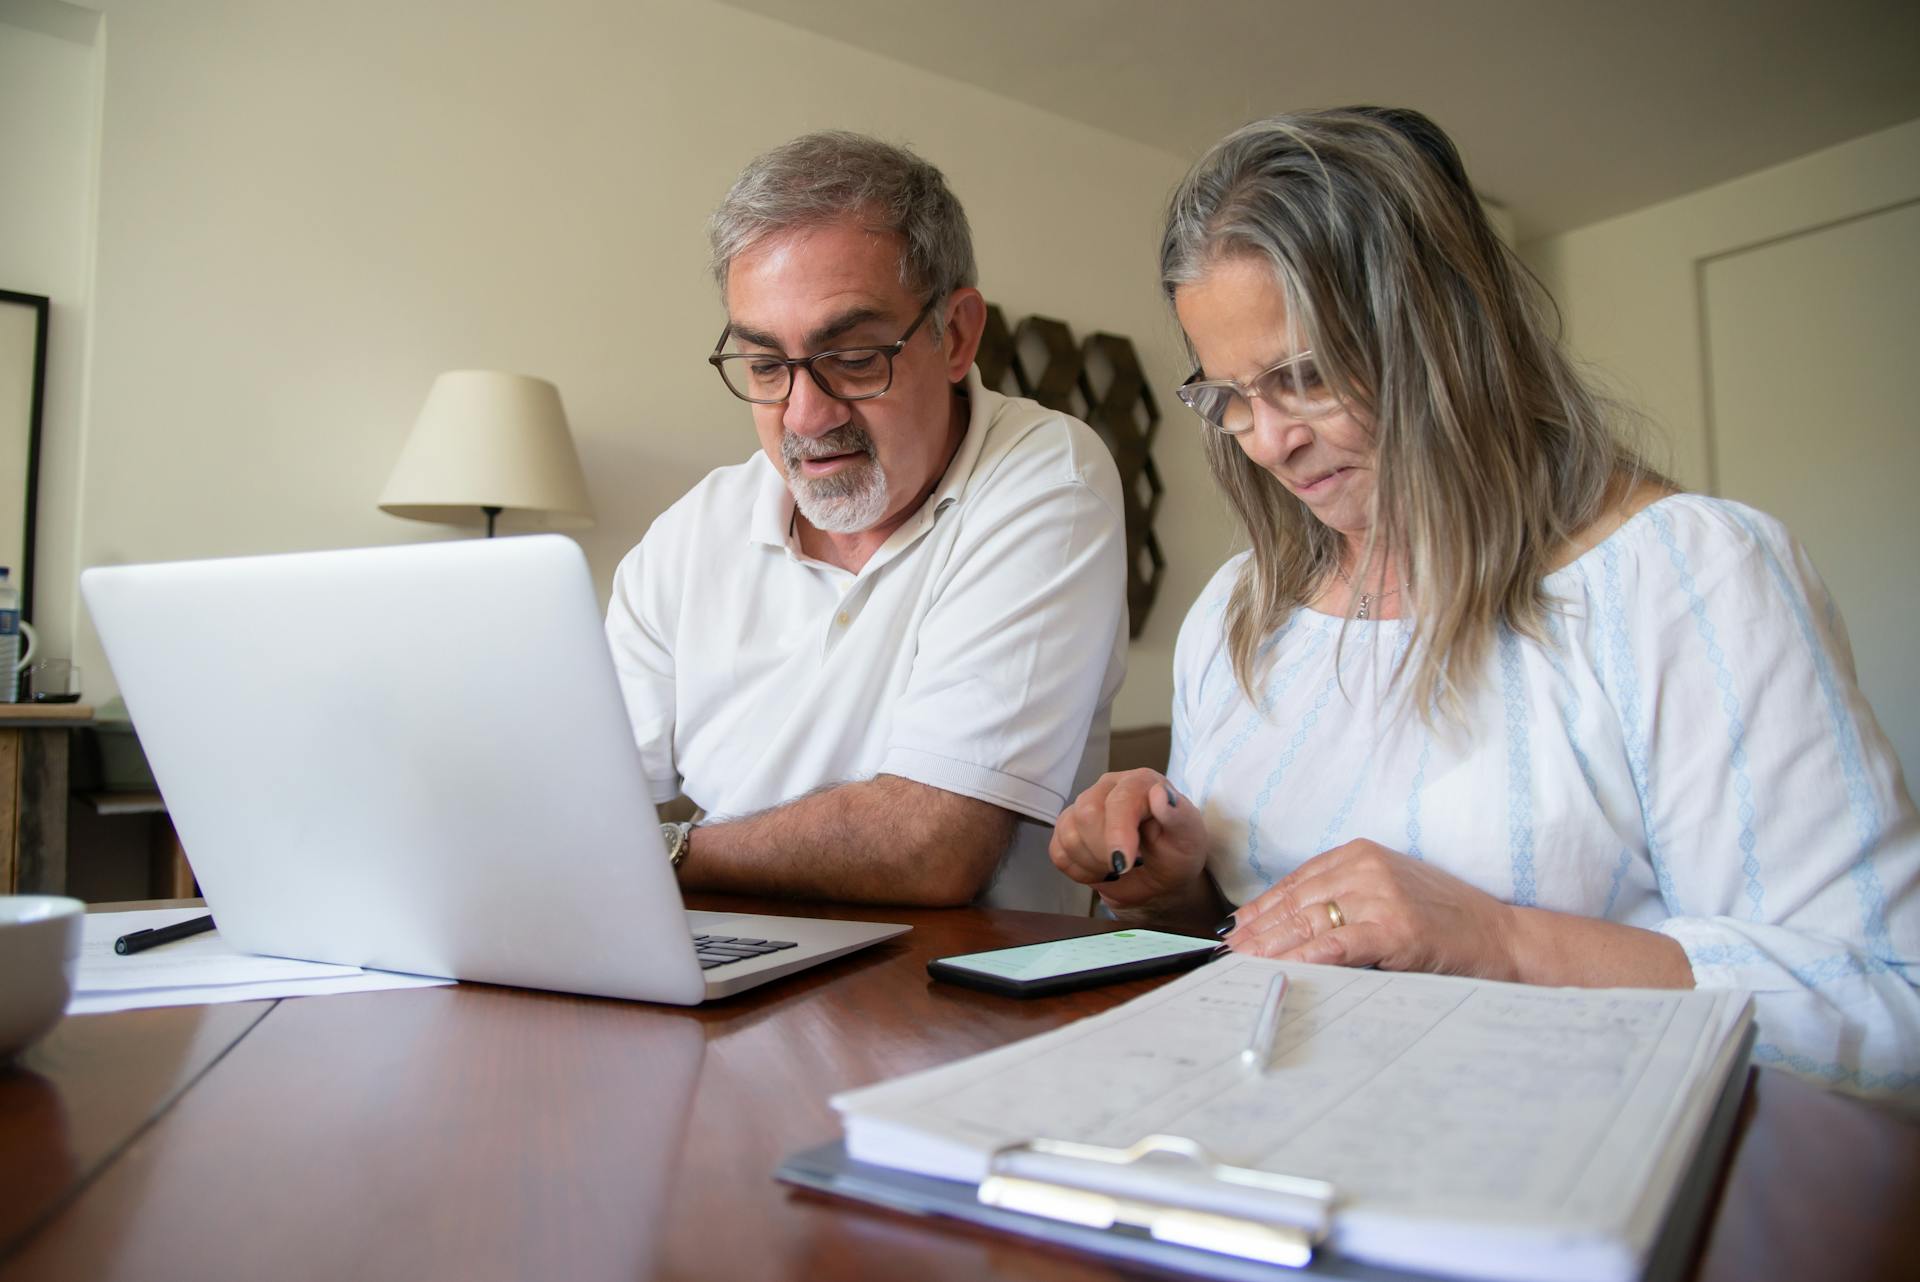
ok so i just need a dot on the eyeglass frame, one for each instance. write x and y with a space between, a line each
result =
1246 391
888 350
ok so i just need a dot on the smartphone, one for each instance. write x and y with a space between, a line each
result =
1064 965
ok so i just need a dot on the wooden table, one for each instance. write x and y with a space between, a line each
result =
480 1133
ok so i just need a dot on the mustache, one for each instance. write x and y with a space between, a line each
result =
845 439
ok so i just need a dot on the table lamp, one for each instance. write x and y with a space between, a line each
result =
488 442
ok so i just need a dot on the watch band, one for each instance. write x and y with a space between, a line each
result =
679 838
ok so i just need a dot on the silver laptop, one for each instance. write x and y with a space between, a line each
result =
417 759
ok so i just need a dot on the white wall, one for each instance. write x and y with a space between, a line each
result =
307 211
49 122
1629 287
1813 390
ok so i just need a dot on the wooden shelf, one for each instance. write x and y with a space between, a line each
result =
54 712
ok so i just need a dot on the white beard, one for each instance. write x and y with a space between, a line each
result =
850 500
853 500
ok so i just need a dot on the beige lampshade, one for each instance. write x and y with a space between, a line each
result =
487 439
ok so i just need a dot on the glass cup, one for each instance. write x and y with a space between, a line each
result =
54 681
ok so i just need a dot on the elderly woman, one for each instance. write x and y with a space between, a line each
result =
1486 696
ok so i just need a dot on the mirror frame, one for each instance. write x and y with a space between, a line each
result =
33 365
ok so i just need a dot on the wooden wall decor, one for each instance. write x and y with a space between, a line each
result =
1048 364
1099 381
1120 407
994 360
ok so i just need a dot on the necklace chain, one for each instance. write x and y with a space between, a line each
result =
1367 598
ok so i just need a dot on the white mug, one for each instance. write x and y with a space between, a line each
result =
26 654
39 954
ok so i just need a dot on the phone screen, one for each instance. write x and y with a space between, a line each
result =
1119 954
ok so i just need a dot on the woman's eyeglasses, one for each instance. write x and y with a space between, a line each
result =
1293 387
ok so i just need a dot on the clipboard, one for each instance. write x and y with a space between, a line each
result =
827 1169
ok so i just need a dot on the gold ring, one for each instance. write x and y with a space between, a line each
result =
1334 915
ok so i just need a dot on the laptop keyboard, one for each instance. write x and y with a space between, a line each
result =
719 950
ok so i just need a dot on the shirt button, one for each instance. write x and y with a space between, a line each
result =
843 618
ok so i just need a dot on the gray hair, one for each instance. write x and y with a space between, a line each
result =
822 178
1492 451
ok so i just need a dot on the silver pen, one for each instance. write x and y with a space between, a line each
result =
1260 1046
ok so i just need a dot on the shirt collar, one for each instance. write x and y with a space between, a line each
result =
772 504
982 405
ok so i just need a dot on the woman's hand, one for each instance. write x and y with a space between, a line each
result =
1132 838
1364 905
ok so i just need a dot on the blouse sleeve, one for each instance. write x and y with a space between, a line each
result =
1202 674
1783 839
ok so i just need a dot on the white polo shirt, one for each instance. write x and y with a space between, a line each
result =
977 651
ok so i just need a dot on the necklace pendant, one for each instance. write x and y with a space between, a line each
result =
1366 601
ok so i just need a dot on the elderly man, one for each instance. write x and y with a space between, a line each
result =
880 653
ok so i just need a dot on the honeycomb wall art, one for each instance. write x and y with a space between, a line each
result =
1099 381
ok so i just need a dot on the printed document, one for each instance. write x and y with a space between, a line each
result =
1470 1127
201 969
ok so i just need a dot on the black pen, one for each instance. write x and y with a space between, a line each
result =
141 940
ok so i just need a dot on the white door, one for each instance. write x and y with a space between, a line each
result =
1813 344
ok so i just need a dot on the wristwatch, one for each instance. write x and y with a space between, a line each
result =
679 838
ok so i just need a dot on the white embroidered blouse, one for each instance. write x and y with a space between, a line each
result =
1690 754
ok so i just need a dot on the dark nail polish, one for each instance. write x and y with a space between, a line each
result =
1112 876
1225 928
1119 863
1173 802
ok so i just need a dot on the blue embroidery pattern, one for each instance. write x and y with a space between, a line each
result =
1729 704
1569 705
1365 772
1808 974
1619 879
1413 798
1836 1074
1840 966
1570 701
1252 724
1339 819
1627 699
1308 720
1866 811
1519 771
1220 664
1726 955
1254 718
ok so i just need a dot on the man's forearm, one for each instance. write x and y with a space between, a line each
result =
882 840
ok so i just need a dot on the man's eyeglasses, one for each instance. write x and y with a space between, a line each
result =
846 373
1293 387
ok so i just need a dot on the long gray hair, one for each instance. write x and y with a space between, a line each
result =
1492 452
822 178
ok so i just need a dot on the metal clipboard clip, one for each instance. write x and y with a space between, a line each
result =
1169 1187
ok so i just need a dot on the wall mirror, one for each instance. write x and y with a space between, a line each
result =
23 384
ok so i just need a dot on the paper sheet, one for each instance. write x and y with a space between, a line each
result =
202 970
1525 1124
